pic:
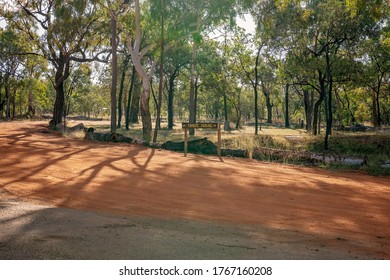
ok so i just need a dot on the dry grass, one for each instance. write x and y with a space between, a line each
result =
375 145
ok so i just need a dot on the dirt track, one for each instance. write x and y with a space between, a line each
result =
344 214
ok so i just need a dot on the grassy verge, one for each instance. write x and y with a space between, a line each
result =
374 146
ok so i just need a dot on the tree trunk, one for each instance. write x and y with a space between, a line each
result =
8 98
286 118
255 88
114 72
13 99
161 74
226 125
238 116
197 115
340 105
129 98
121 88
315 116
171 92
328 102
30 108
135 102
268 103
308 100
322 91
62 73
378 109
192 110
145 111
59 103
269 108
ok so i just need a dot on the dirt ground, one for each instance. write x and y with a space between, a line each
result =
70 199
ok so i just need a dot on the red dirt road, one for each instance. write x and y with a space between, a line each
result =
351 208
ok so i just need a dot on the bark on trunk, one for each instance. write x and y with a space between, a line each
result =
30 108
171 92
255 88
129 98
192 110
135 102
269 108
145 112
378 109
62 73
161 75
8 98
308 100
121 88
328 103
114 74
59 103
286 117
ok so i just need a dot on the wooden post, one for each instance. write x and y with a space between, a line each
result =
219 139
185 142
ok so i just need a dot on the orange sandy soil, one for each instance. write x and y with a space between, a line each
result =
134 180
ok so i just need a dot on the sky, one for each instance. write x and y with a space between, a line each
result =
247 23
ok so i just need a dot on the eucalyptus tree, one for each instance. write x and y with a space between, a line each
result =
114 8
319 33
377 70
11 66
249 64
63 32
144 71
203 16
176 58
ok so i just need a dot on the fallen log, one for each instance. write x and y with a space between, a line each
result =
308 157
106 137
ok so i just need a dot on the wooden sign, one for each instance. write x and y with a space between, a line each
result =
200 125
